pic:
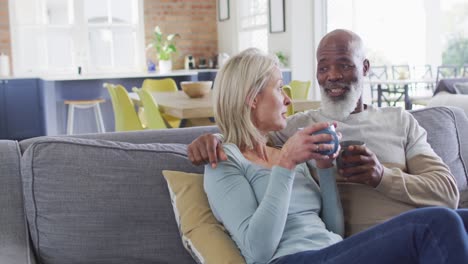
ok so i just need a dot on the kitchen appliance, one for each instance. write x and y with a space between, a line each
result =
202 63
189 62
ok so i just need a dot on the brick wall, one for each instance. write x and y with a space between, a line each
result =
194 20
5 30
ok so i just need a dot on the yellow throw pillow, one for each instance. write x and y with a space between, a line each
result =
202 235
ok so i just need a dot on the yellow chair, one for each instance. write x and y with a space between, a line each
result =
159 85
299 89
125 116
162 85
287 91
153 117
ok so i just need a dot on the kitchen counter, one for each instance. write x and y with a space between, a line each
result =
174 73
122 75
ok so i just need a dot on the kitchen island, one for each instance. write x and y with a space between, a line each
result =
46 113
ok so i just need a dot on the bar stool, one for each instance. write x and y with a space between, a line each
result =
84 104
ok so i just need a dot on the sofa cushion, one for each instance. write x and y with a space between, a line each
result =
446 127
448 99
95 201
180 135
196 221
461 87
447 85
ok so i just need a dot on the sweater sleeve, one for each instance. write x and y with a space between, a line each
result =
332 211
427 180
256 226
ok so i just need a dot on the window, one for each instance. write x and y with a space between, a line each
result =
415 32
59 36
392 34
253 28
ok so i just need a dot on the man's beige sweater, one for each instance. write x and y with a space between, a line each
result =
414 176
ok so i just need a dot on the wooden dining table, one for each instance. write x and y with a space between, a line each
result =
179 105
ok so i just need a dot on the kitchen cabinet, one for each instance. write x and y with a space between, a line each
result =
21 109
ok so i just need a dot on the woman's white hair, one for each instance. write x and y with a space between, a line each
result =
236 85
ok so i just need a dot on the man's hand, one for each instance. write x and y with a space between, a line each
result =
367 168
206 149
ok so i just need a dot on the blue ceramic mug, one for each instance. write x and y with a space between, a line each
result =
329 130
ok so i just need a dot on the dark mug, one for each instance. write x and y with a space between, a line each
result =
331 131
344 152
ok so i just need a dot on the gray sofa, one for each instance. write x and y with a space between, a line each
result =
101 198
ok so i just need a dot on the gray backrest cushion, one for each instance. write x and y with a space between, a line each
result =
13 233
95 201
461 87
447 133
175 135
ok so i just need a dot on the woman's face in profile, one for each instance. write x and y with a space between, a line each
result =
270 105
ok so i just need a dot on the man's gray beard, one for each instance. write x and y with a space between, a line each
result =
340 109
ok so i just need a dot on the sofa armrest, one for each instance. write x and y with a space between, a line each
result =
446 133
14 241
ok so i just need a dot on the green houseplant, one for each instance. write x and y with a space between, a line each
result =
282 58
164 47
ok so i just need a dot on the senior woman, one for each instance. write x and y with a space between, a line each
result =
273 208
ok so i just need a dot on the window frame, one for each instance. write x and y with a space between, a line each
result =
251 28
78 33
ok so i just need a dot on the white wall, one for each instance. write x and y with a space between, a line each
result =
305 23
281 41
302 42
227 31
433 33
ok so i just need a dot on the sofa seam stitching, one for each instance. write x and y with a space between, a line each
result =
460 150
33 149
117 148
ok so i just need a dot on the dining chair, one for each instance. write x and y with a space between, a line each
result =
446 71
401 72
422 71
125 116
287 91
159 85
423 91
153 117
464 72
377 73
299 89
162 85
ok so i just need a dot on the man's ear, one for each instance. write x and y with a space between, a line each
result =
366 67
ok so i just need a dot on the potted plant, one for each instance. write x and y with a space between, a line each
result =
164 47
282 58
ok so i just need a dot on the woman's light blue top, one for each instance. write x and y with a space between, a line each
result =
275 212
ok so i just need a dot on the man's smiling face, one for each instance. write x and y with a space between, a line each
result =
340 73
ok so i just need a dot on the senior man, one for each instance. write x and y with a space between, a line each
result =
396 170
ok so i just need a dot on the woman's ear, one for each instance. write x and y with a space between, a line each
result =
253 103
